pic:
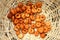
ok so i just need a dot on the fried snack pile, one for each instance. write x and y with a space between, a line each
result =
27 19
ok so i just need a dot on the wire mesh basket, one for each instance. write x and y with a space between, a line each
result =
50 8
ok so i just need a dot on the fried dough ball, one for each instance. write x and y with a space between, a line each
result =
33 26
38 24
16 29
36 33
42 23
13 11
9 15
31 31
29 21
34 6
22 26
42 17
28 7
23 15
27 15
17 9
39 10
13 18
40 30
24 7
42 35
24 31
45 29
49 28
47 23
34 10
21 11
17 15
16 21
29 3
39 4
31 13
17 25
20 4
17 32
20 35
26 26
26 21
21 21
38 18
32 17
28 10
